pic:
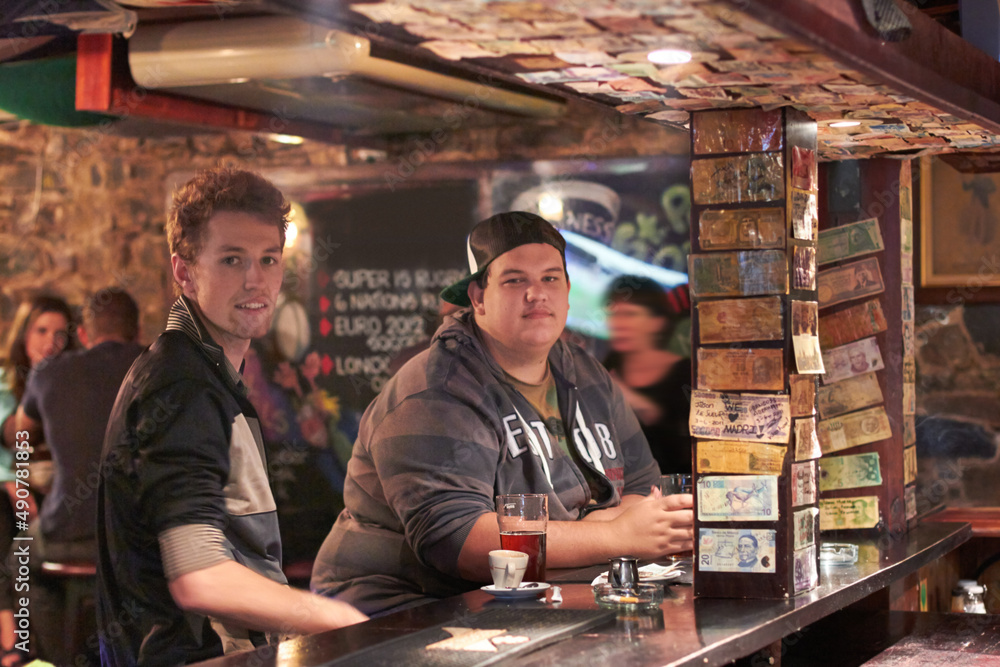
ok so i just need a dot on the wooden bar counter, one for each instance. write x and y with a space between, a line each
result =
985 520
683 631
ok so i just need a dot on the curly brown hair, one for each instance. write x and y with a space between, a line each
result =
221 189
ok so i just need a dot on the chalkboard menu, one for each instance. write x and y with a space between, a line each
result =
375 291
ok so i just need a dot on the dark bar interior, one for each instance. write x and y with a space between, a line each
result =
805 187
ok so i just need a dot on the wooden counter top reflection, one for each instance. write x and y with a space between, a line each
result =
985 520
684 631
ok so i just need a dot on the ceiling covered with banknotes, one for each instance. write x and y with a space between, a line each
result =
877 82
742 54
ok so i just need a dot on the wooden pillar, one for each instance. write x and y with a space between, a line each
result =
880 323
755 351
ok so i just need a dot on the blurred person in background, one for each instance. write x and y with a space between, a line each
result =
656 381
66 403
42 328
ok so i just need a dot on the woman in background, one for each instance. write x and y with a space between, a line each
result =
655 380
41 330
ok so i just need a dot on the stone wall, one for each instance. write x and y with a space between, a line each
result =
958 405
80 210
83 209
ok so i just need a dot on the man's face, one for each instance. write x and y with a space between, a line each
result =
526 299
746 550
235 278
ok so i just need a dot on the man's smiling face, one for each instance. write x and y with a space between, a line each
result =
235 279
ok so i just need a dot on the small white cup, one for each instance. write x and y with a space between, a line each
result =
507 567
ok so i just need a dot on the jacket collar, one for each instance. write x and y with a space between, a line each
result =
184 318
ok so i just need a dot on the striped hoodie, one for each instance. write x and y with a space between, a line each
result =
443 438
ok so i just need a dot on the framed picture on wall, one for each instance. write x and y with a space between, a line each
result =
959 227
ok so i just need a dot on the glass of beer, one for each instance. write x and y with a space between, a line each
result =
523 519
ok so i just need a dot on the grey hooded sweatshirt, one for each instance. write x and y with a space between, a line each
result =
442 439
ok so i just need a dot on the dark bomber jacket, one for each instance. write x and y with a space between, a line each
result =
182 451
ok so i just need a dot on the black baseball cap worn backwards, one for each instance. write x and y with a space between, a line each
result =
495 236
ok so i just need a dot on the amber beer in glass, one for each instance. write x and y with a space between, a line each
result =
523 519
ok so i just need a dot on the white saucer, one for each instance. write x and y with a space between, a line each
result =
528 590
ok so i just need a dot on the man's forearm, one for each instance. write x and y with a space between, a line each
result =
610 513
640 526
232 592
567 544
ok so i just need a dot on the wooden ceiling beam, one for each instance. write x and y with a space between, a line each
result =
933 64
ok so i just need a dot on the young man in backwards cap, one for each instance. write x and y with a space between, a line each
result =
497 405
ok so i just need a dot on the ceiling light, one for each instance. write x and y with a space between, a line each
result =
286 139
669 56
291 233
846 123
550 207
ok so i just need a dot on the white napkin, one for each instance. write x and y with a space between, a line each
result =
651 572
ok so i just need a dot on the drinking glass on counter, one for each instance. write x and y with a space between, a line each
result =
671 485
523 519
674 484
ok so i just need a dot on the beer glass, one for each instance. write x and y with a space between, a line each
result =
523 519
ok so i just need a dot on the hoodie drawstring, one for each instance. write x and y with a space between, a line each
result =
536 446
592 448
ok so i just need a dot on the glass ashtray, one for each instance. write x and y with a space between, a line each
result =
641 596
838 553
